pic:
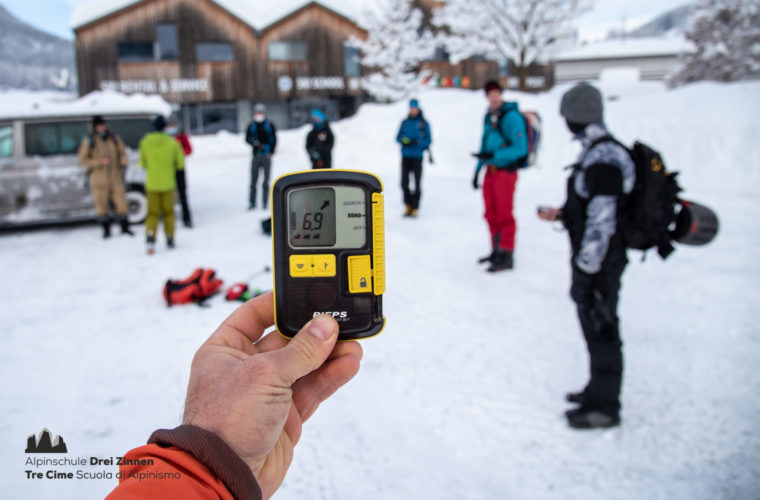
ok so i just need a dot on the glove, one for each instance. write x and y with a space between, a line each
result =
483 156
408 142
475 180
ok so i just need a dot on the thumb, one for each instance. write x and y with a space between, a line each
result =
308 349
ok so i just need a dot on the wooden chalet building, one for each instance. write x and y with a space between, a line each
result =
213 65
214 59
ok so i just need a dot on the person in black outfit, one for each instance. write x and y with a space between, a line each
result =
414 137
319 141
262 136
598 186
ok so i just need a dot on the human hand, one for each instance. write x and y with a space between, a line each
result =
475 180
549 213
256 392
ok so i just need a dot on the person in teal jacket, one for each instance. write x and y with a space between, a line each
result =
161 156
503 149
414 137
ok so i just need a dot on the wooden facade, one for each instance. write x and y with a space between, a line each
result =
246 73
196 22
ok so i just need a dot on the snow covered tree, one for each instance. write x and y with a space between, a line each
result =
726 34
394 50
523 31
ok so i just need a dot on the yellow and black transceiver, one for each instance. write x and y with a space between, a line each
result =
328 243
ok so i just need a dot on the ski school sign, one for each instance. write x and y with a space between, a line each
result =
176 85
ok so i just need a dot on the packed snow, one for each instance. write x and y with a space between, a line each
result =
461 396
26 104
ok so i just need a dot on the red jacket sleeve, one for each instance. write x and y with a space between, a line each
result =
187 462
184 140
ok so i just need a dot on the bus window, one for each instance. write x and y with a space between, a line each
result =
131 130
6 141
46 139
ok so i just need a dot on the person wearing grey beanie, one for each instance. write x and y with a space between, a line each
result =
601 179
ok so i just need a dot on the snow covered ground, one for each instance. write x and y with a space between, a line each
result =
461 397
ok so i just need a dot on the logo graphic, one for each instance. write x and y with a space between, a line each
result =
44 443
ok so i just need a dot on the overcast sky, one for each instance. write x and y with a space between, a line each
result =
53 16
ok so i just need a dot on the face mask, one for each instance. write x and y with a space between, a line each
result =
258 117
172 130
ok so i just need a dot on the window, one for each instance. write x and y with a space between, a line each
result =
351 61
6 141
166 42
214 51
136 51
440 54
45 139
287 51
131 130
504 67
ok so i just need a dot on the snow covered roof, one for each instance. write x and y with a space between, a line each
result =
257 13
629 47
30 104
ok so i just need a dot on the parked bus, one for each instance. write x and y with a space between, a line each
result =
41 180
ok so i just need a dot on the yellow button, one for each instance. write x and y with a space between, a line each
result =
359 274
301 266
324 265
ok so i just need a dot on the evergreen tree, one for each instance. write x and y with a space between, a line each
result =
726 34
394 49
523 31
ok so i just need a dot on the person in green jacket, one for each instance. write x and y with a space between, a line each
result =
161 156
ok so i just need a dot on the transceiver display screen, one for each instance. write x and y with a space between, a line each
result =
311 215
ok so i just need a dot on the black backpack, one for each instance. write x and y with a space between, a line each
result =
650 210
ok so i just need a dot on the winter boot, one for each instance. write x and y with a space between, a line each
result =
170 241
187 222
495 245
125 227
408 211
150 241
586 418
414 213
106 228
502 261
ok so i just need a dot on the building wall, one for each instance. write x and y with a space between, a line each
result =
323 73
183 80
650 68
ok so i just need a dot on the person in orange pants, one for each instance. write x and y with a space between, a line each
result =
247 399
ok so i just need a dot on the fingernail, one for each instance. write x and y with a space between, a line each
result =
321 327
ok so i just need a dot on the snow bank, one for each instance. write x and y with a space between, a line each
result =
29 104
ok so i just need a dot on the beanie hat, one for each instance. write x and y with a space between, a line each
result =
492 85
414 103
259 108
159 123
319 115
97 120
582 104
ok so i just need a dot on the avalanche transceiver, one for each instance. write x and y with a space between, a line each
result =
328 245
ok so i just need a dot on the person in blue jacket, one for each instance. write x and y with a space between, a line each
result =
414 137
503 149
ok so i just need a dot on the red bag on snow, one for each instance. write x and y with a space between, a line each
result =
197 287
